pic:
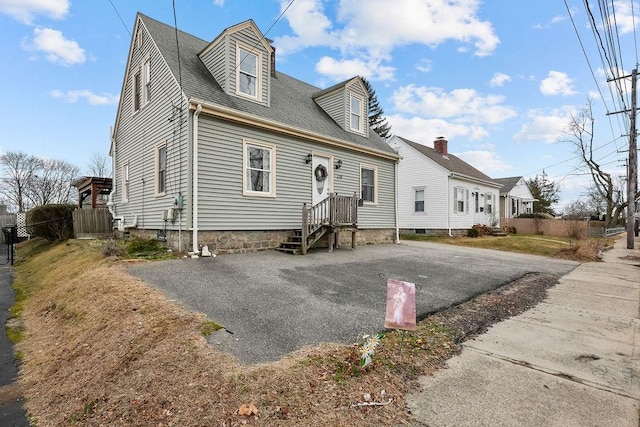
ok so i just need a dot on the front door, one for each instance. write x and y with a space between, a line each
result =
321 178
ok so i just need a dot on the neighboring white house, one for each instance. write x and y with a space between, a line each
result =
438 193
515 197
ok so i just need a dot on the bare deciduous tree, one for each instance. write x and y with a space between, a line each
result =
19 170
30 181
580 133
99 165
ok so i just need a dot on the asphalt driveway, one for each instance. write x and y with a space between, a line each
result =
275 303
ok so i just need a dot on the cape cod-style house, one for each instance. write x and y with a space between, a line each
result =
212 145
439 193
515 197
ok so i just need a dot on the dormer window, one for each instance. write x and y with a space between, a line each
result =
356 112
248 75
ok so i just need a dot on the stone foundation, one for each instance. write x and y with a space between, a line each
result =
434 232
230 242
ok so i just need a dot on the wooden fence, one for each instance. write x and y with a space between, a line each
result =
552 227
92 223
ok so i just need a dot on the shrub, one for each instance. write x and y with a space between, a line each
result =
51 222
473 232
112 247
512 230
483 230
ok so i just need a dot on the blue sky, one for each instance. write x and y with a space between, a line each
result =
498 79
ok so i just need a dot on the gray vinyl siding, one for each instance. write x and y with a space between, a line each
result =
217 62
333 104
137 136
222 206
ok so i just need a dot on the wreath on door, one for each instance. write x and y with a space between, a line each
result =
321 173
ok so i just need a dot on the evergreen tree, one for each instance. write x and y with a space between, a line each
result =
545 191
377 120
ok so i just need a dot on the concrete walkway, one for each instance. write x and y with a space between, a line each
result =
573 360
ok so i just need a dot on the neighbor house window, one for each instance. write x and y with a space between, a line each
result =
418 204
514 207
356 104
476 201
248 76
259 169
125 182
460 200
488 203
161 168
368 183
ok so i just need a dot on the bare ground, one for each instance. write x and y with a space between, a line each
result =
103 348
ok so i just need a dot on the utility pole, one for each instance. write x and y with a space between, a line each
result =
632 168
632 181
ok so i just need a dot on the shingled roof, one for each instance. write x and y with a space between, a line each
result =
292 101
508 183
451 163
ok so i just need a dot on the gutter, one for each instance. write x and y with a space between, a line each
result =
194 192
110 204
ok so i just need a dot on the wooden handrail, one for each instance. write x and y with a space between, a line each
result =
335 210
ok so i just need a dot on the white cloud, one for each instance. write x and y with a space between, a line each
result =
625 20
74 96
424 65
557 83
485 161
56 47
347 68
464 105
425 131
26 10
371 29
545 128
499 79
219 3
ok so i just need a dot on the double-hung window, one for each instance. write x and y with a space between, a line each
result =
356 110
368 184
259 165
418 200
137 91
248 75
488 203
460 200
161 168
146 75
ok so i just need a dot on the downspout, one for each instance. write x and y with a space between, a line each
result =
396 202
110 204
449 208
194 192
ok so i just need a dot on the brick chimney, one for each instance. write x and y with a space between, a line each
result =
440 145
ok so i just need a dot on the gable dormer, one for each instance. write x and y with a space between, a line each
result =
240 61
347 104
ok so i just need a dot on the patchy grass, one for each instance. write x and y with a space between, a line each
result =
556 247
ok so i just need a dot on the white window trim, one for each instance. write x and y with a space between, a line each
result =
156 169
489 201
375 183
360 129
258 96
146 80
272 177
424 201
125 182
465 201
